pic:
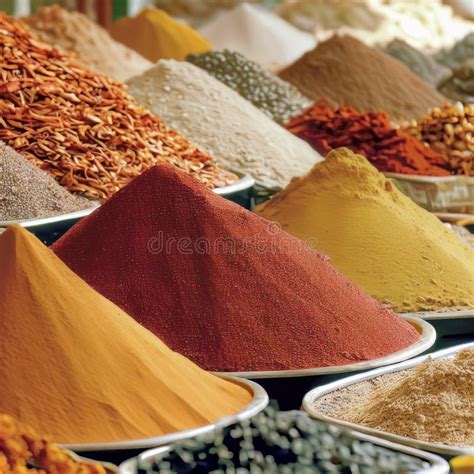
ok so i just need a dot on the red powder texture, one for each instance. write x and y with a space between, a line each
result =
371 135
227 289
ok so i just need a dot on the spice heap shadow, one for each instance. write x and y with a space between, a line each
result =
376 236
280 442
432 402
80 126
276 98
222 286
155 35
346 72
370 134
27 192
80 370
221 122
76 33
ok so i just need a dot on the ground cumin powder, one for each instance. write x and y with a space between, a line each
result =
78 369
433 402
380 239
346 72
155 35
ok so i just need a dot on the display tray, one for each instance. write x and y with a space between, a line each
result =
318 393
109 468
437 464
245 183
443 193
257 404
448 322
427 339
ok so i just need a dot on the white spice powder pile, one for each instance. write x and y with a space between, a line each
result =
234 132
433 402
27 192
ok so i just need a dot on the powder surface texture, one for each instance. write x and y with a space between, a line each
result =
76 33
421 64
370 134
155 35
80 370
276 98
221 122
428 25
27 192
345 71
259 35
81 126
221 285
380 239
433 402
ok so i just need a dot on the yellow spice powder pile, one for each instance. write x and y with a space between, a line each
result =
379 238
434 402
80 370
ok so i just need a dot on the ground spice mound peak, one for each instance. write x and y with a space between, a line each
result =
223 286
376 236
80 370
80 126
433 402
346 72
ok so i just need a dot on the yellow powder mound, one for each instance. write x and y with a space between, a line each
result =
155 35
379 238
77 368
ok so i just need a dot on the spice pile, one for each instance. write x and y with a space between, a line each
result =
427 25
460 86
462 51
75 32
80 370
27 192
21 447
276 98
222 123
242 295
348 73
81 127
433 402
421 64
376 236
371 135
155 35
450 131
283 442
259 35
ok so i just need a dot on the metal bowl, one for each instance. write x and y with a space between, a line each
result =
109 468
437 464
317 393
257 404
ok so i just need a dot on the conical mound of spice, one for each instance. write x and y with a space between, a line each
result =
80 370
380 239
76 33
222 286
155 35
345 71
27 192
80 126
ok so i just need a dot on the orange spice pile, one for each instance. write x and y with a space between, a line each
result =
81 126
369 134
21 447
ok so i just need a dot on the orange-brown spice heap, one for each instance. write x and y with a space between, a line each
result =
81 126
371 135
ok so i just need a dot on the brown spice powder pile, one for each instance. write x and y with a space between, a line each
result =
433 402
75 32
348 73
80 126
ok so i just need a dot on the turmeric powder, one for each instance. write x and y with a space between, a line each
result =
80 370
155 35
380 239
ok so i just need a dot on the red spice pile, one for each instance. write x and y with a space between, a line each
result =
371 135
222 286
